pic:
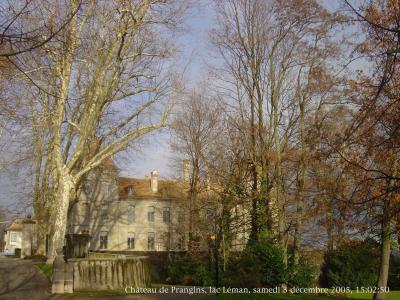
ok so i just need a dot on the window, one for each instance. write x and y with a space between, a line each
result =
150 214
181 242
103 240
131 240
166 215
104 212
131 213
13 237
151 241
167 240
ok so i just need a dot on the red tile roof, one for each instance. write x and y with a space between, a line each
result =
17 224
168 189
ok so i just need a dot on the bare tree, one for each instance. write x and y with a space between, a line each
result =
374 128
18 37
101 80
195 129
263 46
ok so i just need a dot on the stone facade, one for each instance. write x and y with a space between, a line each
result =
21 234
145 215
13 239
127 214
240 226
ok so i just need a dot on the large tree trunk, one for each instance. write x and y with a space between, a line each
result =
59 217
340 228
398 231
298 224
193 193
300 191
41 238
329 227
254 206
385 251
254 189
278 180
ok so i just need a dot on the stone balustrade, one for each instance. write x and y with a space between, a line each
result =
100 271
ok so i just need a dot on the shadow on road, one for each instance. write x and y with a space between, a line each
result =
21 279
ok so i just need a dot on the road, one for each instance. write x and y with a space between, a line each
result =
21 279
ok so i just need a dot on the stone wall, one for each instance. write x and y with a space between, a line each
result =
111 273
158 260
97 255
112 218
102 271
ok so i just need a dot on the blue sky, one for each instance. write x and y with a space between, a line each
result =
154 152
194 49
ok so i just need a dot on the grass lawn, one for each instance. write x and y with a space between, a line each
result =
269 297
395 295
46 269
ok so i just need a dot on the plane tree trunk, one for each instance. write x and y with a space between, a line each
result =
59 217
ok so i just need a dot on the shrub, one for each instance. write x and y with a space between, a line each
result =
154 275
202 276
261 265
177 269
303 275
394 273
352 265
185 271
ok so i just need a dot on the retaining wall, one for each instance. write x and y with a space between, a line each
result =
100 272
111 273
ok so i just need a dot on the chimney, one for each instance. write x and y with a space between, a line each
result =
154 181
186 170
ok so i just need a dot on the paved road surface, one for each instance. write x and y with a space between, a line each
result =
22 280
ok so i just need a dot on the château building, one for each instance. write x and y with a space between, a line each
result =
116 213
121 214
